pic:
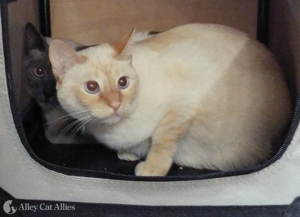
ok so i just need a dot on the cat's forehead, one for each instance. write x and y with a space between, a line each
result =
92 70
101 65
102 52
100 60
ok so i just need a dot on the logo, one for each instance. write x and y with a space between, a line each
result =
9 207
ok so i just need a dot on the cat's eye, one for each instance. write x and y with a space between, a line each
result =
91 87
38 72
123 82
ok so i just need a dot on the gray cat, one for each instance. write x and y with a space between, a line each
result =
41 85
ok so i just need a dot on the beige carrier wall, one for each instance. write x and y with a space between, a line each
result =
96 21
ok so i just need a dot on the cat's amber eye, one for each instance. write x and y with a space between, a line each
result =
38 72
123 82
91 87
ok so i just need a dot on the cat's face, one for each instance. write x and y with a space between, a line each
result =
40 81
94 84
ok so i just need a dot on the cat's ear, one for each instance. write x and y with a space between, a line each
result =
123 46
33 39
62 58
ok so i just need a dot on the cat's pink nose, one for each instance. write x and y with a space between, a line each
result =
115 105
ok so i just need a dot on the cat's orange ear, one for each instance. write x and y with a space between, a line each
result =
122 47
62 58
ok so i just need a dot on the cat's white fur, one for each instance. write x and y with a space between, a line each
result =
207 96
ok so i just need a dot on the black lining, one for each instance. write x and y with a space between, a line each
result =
44 17
60 167
262 33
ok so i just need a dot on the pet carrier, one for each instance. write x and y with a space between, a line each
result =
38 178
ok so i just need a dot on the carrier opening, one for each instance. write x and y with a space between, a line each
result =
86 156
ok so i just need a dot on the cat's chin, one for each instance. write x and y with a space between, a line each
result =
115 119
111 120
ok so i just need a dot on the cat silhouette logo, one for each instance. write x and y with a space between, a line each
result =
9 207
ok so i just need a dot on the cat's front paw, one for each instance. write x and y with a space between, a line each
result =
147 169
128 156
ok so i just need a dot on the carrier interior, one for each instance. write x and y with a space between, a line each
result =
97 21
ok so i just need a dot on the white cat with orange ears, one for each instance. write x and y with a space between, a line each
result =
199 95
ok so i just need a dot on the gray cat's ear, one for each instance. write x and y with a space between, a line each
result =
33 39
62 58
123 46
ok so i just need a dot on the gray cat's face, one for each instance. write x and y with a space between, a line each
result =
40 81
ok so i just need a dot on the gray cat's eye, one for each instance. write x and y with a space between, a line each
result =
123 82
91 87
38 72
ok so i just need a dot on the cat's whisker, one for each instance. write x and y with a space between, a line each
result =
79 127
82 125
67 117
79 112
63 118
68 127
